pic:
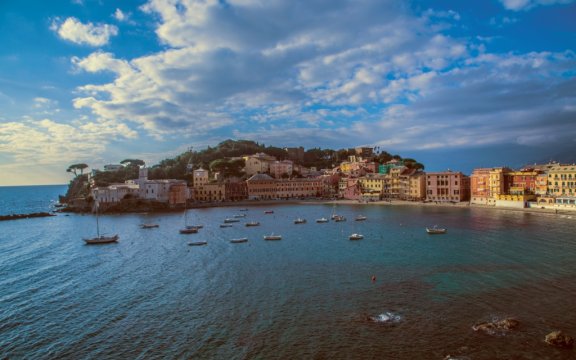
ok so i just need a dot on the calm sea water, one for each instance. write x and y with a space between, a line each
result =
308 296
29 199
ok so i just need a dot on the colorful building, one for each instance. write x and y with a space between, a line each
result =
447 186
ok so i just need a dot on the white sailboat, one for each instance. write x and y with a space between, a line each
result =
100 239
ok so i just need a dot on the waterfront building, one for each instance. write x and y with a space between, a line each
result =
497 185
299 188
171 191
371 187
394 188
114 193
235 190
522 182
261 187
210 192
200 177
480 186
348 188
562 181
447 186
413 185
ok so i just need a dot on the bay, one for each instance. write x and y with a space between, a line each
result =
309 295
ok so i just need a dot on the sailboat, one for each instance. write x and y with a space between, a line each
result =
188 229
100 239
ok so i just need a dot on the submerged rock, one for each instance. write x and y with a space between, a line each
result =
386 317
497 327
560 339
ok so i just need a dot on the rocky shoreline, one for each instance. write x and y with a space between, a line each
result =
25 216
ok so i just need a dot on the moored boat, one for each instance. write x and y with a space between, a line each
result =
300 221
149 226
272 237
356 237
102 240
253 223
360 218
339 218
436 230
322 220
240 240
189 230
225 225
197 243
269 212
231 220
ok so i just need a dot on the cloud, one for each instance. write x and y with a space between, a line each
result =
121 16
254 69
520 5
84 34
59 142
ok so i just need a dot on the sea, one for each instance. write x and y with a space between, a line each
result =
398 293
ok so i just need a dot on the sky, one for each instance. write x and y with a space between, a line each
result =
454 84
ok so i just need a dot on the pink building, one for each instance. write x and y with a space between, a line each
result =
447 186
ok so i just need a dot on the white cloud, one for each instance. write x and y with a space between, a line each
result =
247 64
56 142
84 34
519 5
121 16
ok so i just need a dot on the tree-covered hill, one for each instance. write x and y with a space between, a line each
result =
224 159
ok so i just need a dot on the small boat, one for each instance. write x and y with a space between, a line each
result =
197 243
339 218
300 221
360 218
230 220
149 226
240 240
436 230
101 240
195 226
322 220
269 212
225 225
356 236
253 223
188 230
240 215
272 237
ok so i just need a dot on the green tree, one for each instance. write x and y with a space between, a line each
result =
74 168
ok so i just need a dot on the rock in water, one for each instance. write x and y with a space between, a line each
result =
497 327
508 324
559 339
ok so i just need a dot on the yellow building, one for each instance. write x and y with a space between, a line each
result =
416 186
372 183
562 181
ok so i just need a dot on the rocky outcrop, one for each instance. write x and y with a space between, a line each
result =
559 339
496 327
25 216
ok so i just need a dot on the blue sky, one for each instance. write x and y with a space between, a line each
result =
454 84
